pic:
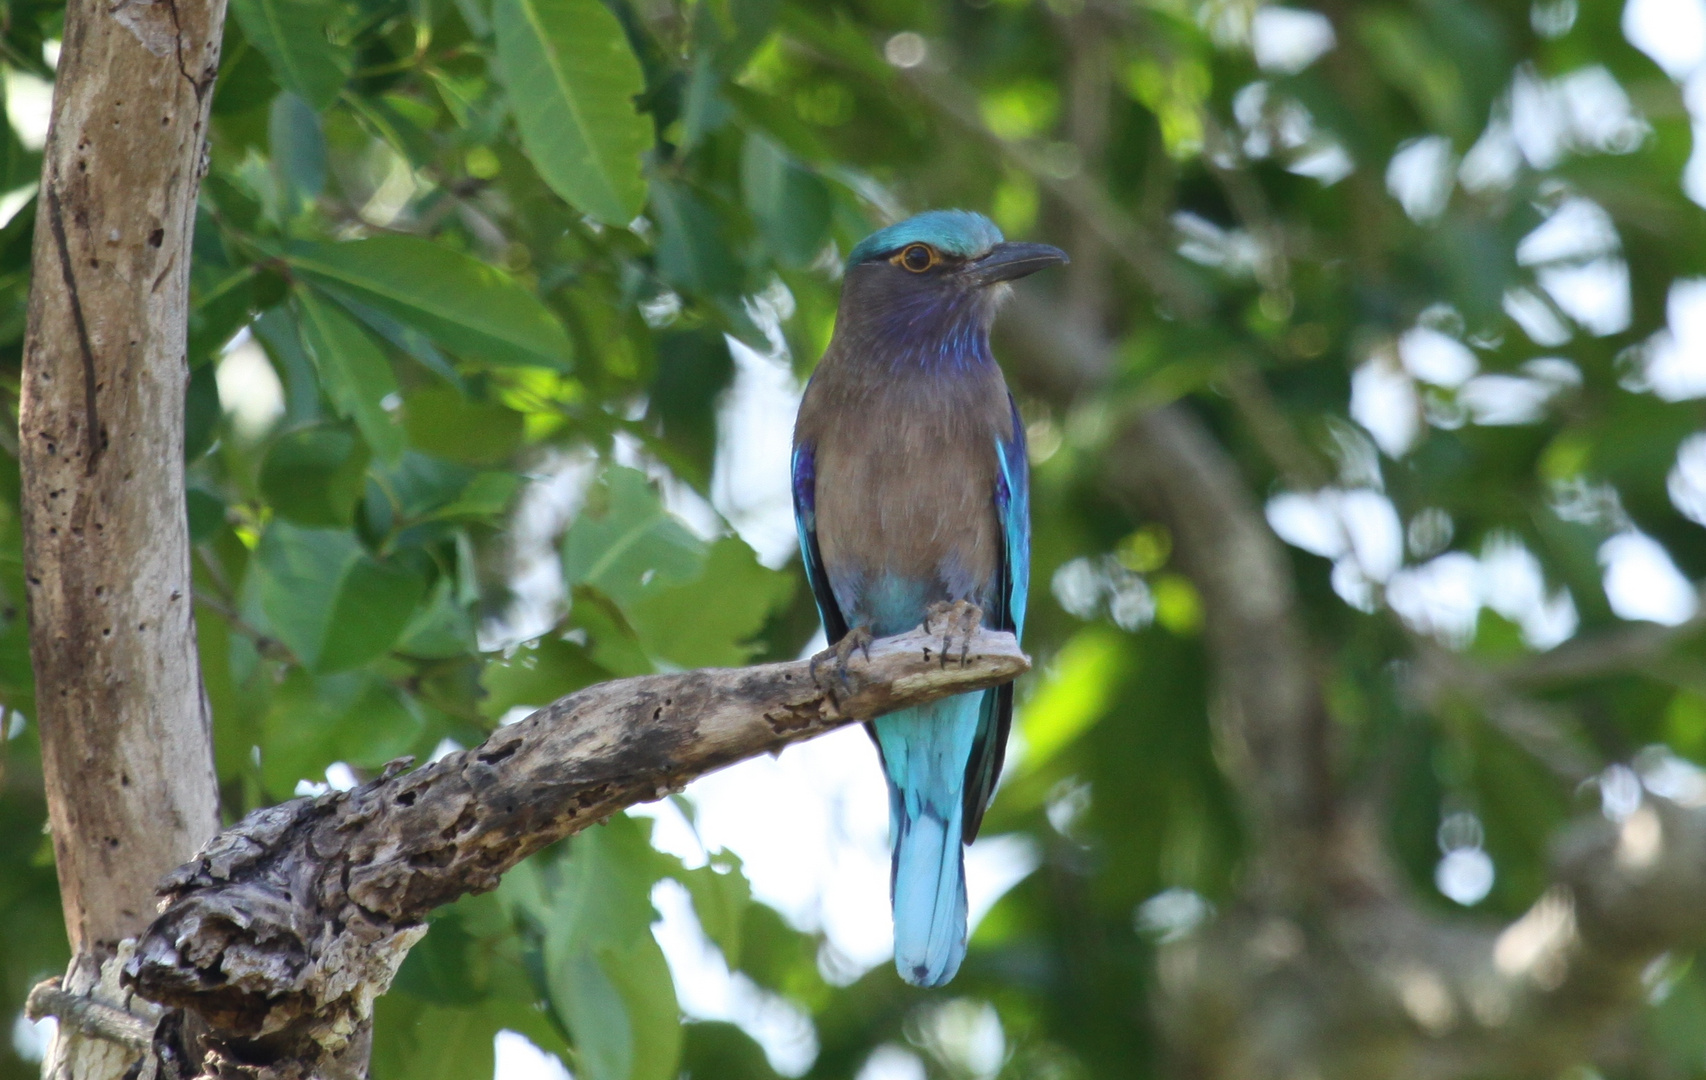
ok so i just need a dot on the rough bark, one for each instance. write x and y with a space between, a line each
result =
127 752
282 931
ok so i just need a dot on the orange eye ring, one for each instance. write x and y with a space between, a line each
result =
917 257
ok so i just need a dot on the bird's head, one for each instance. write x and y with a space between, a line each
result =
942 271
955 249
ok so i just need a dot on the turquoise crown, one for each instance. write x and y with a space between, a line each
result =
961 233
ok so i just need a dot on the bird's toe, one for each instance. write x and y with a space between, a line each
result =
953 619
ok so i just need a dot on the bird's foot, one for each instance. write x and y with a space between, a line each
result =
953 619
857 639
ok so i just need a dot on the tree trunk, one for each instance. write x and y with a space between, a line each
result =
127 750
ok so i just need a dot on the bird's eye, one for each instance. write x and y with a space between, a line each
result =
917 258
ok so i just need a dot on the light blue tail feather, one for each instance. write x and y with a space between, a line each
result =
925 751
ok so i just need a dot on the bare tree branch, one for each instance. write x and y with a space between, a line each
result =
282 931
1630 647
1269 720
91 1017
1546 733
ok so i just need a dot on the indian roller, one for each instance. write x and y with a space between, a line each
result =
912 498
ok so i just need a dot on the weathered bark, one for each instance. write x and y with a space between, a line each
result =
127 752
282 931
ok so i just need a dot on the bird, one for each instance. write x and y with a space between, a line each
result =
911 494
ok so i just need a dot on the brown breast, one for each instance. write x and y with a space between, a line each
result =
906 470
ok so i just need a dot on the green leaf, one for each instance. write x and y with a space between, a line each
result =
442 628
610 640
470 953
354 372
624 539
461 303
1413 62
693 369
419 1040
478 15
776 956
312 722
572 80
485 498
402 122
717 1049
403 336
202 412
441 420
291 34
331 603
1074 695
536 673
206 513
280 331
314 475
607 977
707 622
642 979
680 600
419 485
298 145
790 204
602 888
720 896
692 255
446 967
590 1005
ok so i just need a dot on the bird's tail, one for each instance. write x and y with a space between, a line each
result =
925 751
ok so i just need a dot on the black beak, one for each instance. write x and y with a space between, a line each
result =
1007 262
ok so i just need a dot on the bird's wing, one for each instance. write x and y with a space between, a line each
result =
805 520
1013 510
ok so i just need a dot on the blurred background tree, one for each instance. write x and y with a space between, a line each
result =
1369 482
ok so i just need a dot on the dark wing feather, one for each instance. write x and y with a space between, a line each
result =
805 520
1013 510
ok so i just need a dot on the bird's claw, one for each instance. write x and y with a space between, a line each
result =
858 638
953 618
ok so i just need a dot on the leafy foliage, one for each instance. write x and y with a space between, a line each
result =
485 245
572 79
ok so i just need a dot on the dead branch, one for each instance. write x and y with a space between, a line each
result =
285 927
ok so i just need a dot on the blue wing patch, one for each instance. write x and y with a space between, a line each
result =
1013 510
1013 506
805 521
